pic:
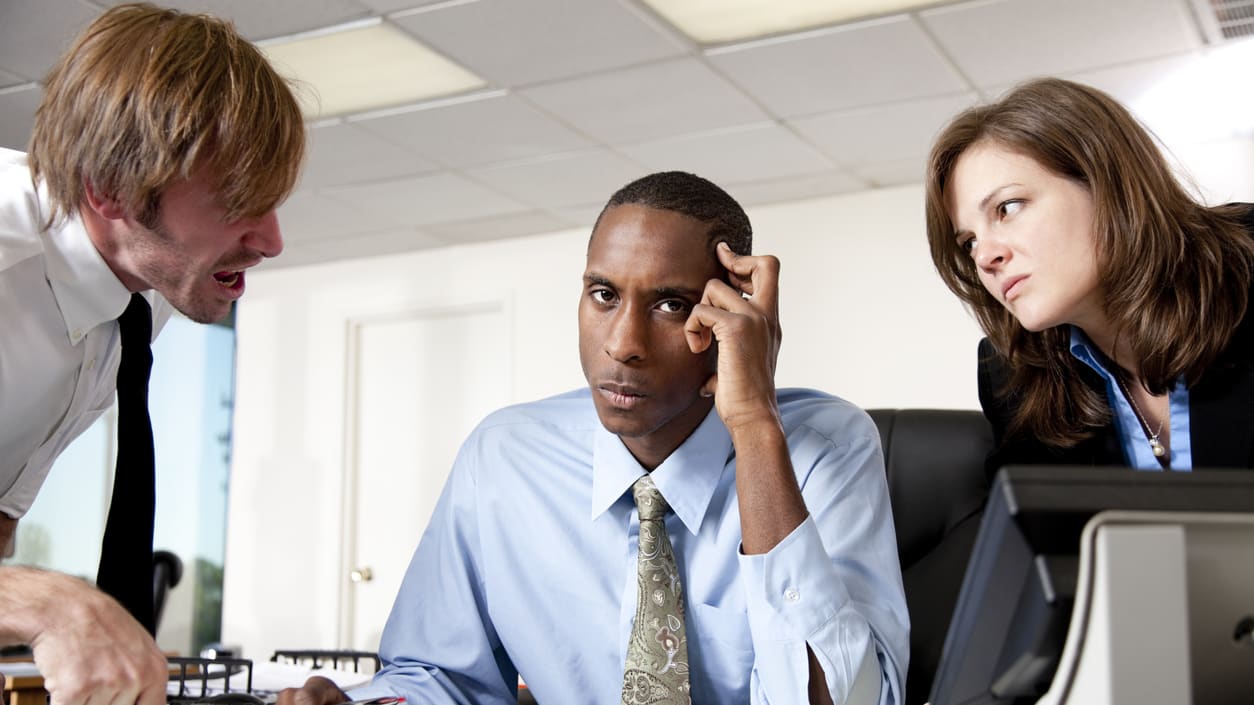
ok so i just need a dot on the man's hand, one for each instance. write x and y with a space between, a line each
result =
316 691
744 319
86 646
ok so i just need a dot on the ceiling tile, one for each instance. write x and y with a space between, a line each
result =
8 80
343 154
421 200
647 102
591 94
584 177
389 242
496 128
893 173
899 131
1129 83
583 215
519 43
34 33
383 6
795 188
1000 42
275 18
842 67
483 229
294 255
753 153
17 116
308 216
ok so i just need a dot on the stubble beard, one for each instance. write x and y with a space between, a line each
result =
166 270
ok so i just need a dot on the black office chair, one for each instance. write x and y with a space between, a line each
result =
167 571
936 483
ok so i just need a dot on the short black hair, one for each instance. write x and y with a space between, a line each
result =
693 196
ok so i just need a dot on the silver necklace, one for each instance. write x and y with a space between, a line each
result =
1159 450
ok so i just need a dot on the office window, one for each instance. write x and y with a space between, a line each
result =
190 399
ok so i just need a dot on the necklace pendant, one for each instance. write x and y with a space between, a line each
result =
1157 447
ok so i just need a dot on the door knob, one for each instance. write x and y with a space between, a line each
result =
361 575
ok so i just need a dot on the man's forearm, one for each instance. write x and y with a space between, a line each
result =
771 506
23 596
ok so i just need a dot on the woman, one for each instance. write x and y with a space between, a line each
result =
1115 304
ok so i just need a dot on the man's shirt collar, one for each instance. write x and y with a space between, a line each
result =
87 291
687 479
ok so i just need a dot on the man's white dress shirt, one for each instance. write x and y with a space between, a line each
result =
59 349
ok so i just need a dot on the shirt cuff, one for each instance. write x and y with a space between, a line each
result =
792 590
373 689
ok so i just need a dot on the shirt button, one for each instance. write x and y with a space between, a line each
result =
792 595
91 364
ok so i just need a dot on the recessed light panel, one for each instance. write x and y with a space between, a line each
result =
364 66
720 21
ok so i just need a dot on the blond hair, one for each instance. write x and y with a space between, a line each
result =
147 95
1182 270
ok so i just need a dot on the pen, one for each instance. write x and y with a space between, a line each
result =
385 700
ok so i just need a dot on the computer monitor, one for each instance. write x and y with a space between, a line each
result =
1012 615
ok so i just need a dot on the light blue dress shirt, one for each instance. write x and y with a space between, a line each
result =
1135 446
529 565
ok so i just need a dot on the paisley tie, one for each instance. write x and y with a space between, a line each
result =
657 655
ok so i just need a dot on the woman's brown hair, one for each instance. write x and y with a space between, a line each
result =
1175 273
146 96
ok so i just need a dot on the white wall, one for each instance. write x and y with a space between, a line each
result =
860 301
863 312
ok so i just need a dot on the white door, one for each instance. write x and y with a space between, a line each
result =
419 383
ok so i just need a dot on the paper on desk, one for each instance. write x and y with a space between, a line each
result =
268 675
17 669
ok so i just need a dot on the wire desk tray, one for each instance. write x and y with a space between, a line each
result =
322 658
215 680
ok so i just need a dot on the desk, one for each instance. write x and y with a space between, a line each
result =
25 690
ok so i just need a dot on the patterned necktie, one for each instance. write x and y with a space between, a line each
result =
657 655
126 552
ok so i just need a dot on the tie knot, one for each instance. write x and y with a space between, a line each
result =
136 322
649 501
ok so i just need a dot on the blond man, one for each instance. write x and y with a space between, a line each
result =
161 150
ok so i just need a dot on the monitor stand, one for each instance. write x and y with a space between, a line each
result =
1163 612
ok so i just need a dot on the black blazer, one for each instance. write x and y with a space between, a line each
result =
1221 410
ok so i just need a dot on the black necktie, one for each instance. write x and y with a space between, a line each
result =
126 552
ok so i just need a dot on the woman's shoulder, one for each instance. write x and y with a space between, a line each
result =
988 355
994 374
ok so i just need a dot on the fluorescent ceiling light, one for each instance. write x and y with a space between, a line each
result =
364 66
718 21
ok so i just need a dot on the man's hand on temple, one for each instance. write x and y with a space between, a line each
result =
744 318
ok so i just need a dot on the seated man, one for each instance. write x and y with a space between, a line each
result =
766 569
